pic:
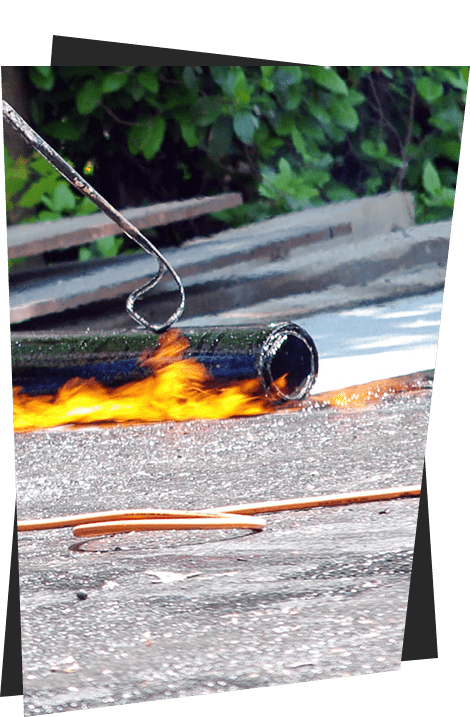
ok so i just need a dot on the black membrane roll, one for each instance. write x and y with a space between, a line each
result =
43 362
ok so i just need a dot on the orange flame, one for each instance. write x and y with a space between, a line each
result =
178 389
366 394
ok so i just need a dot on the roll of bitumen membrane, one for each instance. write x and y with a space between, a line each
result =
43 362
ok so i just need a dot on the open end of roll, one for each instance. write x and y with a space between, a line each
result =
295 358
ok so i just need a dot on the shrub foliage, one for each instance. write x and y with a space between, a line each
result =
287 137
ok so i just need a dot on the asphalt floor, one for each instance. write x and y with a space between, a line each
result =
318 593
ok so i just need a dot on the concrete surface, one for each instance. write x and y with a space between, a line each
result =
358 245
394 285
374 342
318 593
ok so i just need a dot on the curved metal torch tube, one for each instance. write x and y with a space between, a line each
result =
137 294
71 175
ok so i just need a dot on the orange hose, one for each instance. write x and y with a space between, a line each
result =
410 491
228 516
90 530
68 521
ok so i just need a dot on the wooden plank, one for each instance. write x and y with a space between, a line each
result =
28 239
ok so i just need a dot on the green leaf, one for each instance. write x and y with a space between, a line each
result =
152 101
34 194
329 79
8 159
284 123
135 89
102 248
386 71
448 177
355 97
135 137
429 89
448 119
179 99
85 206
448 197
85 254
244 125
221 137
376 150
285 173
206 110
445 200
323 160
454 76
393 161
154 140
286 76
148 81
219 74
240 89
114 81
16 174
431 180
311 130
320 113
315 177
62 129
289 189
293 97
47 216
147 139
189 133
42 166
266 144
109 246
225 77
449 148
339 193
190 79
344 114
44 70
240 82
267 70
267 84
63 198
184 169
302 192
336 134
373 184
12 263
88 97
42 77
299 143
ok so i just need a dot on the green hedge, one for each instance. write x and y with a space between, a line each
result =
288 137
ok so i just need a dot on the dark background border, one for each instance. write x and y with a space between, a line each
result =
299 33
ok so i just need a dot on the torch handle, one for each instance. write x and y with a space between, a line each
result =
71 175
